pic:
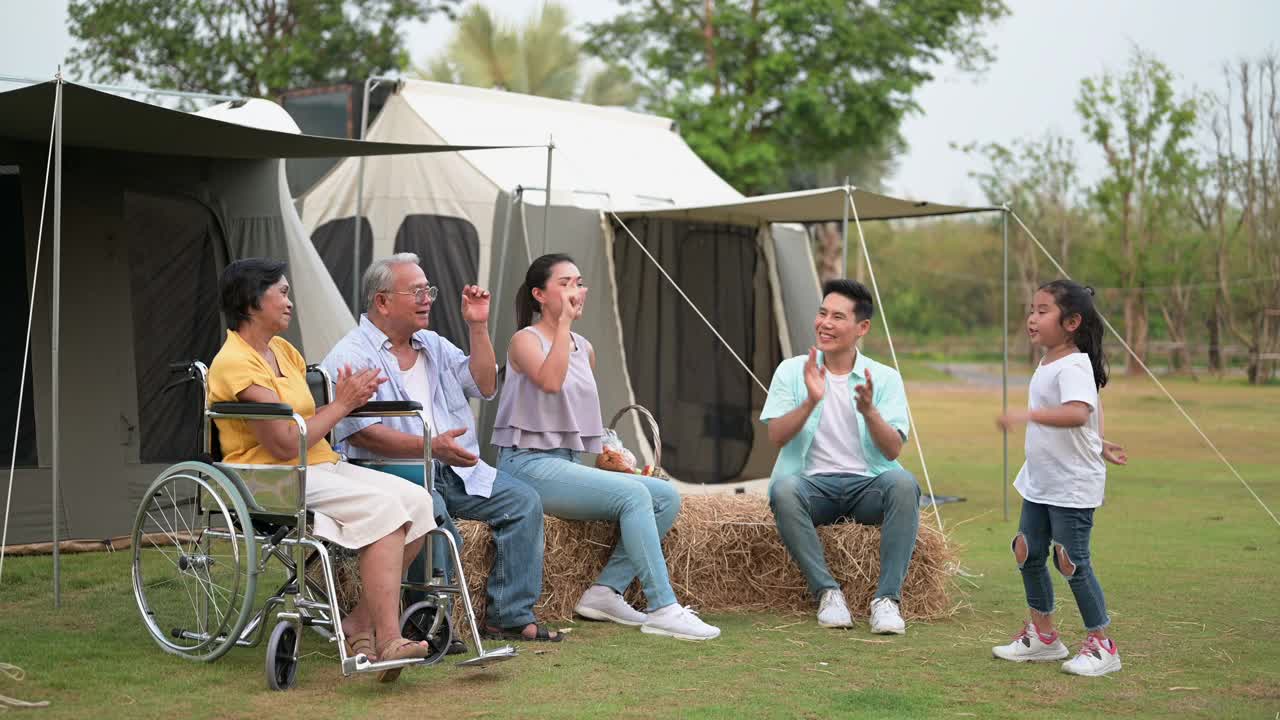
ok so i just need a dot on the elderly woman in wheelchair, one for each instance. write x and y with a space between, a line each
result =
207 528
382 516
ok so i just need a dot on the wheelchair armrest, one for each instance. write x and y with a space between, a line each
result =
251 408
380 408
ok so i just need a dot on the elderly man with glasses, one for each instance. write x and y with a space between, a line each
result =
419 365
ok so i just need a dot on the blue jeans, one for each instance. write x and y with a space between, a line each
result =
514 515
891 500
645 508
1067 530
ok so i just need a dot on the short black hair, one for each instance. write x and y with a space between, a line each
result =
864 308
243 284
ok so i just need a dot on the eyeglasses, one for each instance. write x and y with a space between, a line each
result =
420 295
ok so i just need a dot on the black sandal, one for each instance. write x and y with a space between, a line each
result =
517 634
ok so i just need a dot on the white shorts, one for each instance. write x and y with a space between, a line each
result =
355 506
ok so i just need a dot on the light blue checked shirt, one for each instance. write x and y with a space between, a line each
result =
449 371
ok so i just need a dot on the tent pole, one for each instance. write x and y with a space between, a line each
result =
57 329
844 231
1004 368
369 85
546 205
502 259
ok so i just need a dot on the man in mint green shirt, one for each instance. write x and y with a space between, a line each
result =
840 419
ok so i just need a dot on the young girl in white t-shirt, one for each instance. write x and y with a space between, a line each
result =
1063 479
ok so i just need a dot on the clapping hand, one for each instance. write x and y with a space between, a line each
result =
815 377
356 387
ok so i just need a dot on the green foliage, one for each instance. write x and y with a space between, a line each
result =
539 57
762 87
256 49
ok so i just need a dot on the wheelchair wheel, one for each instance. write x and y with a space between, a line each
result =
194 569
282 656
429 620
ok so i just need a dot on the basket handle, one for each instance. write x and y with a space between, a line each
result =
643 412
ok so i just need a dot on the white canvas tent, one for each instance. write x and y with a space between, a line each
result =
145 207
480 217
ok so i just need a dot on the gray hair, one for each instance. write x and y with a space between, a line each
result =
377 278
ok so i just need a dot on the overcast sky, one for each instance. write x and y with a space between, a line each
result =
1043 50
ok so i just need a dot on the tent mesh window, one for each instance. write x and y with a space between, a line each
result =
449 249
173 279
13 303
705 403
332 241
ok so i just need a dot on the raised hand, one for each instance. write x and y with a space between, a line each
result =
445 448
475 305
865 395
815 377
356 387
1114 454
571 300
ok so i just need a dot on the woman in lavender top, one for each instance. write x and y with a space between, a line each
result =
550 412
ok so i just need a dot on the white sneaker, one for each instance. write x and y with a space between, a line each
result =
602 603
1094 659
885 618
833 611
1032 645
679 622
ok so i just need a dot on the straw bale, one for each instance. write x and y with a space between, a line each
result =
724 555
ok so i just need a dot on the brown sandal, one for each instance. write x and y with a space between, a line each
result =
361 643
399 649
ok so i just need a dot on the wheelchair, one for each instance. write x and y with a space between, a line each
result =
213 541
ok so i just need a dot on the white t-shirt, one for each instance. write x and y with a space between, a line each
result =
418 385
837 444
1064 466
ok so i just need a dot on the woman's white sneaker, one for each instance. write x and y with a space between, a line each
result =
679 622
1096 657
602 603
1031 645
885 618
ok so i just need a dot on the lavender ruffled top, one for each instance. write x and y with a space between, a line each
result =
531 419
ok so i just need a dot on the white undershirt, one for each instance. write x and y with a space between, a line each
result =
837 445
418 385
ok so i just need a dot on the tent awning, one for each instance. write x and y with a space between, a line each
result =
821 205
95 119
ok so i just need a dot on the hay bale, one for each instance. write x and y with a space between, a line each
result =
724 555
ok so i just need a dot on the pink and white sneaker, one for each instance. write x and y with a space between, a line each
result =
1031 645
1096 657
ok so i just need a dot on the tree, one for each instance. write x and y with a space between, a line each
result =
256 48
539 57
1039 181
1237 203
1143 132
763 86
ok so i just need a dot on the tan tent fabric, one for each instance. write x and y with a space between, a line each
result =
95 119
821 205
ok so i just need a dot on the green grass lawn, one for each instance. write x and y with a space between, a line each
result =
1187 558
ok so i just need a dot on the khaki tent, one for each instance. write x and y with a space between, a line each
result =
481 216
153 203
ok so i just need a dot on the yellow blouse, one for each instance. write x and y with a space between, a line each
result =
235 368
